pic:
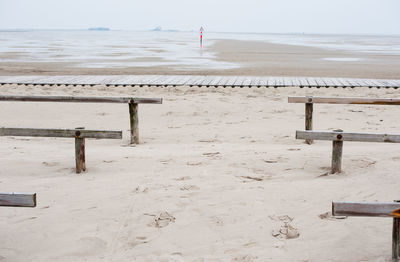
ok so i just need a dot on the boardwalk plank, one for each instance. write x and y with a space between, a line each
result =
179 80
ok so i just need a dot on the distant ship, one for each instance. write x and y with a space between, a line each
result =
99 29
158 28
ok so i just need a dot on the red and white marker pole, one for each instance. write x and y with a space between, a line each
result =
201 36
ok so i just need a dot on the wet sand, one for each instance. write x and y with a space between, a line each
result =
253 57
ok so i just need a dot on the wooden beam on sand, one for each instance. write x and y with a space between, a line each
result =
338 137
68 133
344 100
343 136
366 209
79 134
374 209
18 199
132 101
81 99
309 102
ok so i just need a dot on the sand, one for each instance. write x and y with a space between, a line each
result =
218 176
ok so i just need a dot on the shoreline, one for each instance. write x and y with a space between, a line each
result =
255 58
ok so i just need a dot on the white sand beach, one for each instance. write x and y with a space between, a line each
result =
218 173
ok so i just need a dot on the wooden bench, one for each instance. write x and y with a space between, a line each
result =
338 136
309 101
18 199
133 103
373 209
79 134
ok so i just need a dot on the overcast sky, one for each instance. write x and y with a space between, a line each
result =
275 16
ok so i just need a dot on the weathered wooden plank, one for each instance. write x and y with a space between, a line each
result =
168 80
153 80
18 199
231 81
271 81
342 136
324 81
369 209
345 100
255 81
71 133
207 80
198 80
311 81
81 99
215 81
295 81
177 80
344 82
278 81
264 81
239 81
191 81
182 80
303 81
363 82
223 81
246 81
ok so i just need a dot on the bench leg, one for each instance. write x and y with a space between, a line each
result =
396 238
308 119
337 150
134 122
80 164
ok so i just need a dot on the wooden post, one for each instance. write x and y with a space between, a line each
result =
395 237
80 164
308 119
134 122
337 150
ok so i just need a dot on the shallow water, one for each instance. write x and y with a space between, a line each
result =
180 50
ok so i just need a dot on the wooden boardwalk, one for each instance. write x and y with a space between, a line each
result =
197 80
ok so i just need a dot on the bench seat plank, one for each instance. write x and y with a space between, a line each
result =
369 209
81 99
345 100
18 199
355 137
71 133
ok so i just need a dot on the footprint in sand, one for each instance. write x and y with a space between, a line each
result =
50 163
211 154
217 221
161 220
286 230
183 178
244 258
194 163
174 257
189 187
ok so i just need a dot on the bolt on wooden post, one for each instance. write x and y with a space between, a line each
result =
396 237
337 151
308 118
134 122
80 164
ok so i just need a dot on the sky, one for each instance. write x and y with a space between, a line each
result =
263 16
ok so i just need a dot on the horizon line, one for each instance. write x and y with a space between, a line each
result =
190 31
